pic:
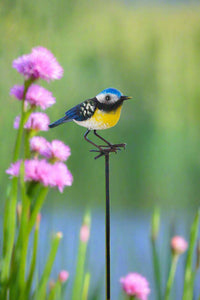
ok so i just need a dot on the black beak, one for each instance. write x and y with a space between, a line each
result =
125 98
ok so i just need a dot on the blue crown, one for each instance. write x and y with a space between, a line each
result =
112 91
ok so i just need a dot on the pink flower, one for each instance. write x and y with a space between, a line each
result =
24 65
36 95
16 122
38 144
84 233
135 285
37 121
43 172
63 276
60 176
31 170
39 96
56 175
13 171
54 150
40 63
178 245
57 150
17 91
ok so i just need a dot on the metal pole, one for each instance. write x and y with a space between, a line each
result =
104 150
107 227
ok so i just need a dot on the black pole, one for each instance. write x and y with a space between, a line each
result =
104 150
107 227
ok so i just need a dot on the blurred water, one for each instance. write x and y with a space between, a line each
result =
130 247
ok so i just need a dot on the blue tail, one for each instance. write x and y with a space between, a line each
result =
60 121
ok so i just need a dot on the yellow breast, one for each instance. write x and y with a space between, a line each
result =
101 119
107 119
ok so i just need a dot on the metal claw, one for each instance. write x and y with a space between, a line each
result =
103 149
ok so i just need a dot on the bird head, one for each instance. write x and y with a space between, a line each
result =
111 96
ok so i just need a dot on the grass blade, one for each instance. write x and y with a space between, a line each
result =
78 284
86 285
188 281
41 292
155 224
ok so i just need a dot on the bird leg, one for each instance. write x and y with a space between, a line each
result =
103 149
100 137
89 141
113 146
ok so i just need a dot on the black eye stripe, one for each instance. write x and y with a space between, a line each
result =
107 97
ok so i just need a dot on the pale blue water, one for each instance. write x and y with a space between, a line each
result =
130 247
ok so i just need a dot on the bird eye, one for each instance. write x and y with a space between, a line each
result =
107 97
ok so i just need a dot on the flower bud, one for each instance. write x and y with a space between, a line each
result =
59 235
135 285
84 233
178 245
63 276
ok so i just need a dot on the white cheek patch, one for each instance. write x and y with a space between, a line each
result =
101 98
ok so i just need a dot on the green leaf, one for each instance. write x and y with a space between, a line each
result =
86 285
78 284
41 291
189 281
155 224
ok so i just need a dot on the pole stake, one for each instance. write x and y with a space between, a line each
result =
105 150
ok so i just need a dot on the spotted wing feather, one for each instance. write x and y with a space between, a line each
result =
80 112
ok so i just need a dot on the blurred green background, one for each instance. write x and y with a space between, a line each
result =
151 53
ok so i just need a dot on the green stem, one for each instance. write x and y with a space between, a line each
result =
22 268
33 261
188 281
11 201
27 146
9 230
19 254
78 283
21 125
55 292
171 276
20 259
41 292
33 189
19 136
36 209
6 217
156 264
86 285
24 240
10 208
